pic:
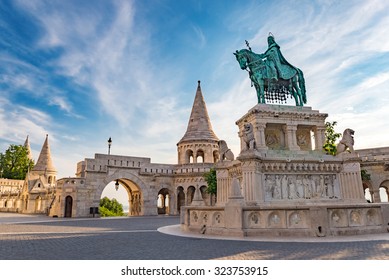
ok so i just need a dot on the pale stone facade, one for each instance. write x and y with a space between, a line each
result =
36 194
152 188
376 163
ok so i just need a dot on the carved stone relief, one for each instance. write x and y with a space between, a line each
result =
338 218
218 219
372 217
276 219
355 218
254 220
300 186
304 139
274 138
297 219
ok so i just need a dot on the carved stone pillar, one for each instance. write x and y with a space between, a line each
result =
259 134
375 194
319 133
291 138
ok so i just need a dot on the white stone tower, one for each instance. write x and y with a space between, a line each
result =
200 143
44 166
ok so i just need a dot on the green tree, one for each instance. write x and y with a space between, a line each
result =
14 163
110 207
331 137
365 175
210 178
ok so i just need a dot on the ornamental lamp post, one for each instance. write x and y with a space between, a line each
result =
109 145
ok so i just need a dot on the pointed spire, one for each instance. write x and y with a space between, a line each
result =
44 162
199 126
27 146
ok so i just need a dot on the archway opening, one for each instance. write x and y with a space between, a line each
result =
163 202
68 206
190 195
180 198
200 156
368 195
189 156
384 194
366 191
126 193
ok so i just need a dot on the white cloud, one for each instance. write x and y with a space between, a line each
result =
201 39
373 81
17 122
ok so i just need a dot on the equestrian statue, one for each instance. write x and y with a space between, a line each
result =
273 77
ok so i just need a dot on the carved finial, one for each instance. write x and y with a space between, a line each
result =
198 82
271 34
248 45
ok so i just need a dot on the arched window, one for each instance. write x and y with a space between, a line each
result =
384 193
189 156
190 194
180 198
368 195
200 156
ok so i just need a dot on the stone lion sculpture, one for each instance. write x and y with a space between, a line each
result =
248 136
346 142
224 152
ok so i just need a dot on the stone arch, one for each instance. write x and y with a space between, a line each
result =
164 201
189 156
368 191
137 190
200 156
68 206
190 194
384 191
180 198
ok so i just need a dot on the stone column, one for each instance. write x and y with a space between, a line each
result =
291 138
319 132
222 186
194 155
259 135
375 195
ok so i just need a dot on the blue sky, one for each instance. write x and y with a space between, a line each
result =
84 71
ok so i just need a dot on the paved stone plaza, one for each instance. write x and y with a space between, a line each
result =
34 237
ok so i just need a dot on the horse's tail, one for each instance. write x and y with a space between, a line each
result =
302 85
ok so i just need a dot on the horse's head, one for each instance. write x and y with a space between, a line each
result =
242 58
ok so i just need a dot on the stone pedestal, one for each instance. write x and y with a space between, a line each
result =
286 185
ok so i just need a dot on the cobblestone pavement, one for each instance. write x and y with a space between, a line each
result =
24 237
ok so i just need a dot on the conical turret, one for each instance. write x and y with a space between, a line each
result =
45 162
199 126
27 146
199 143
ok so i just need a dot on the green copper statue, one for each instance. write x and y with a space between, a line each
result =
273 76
